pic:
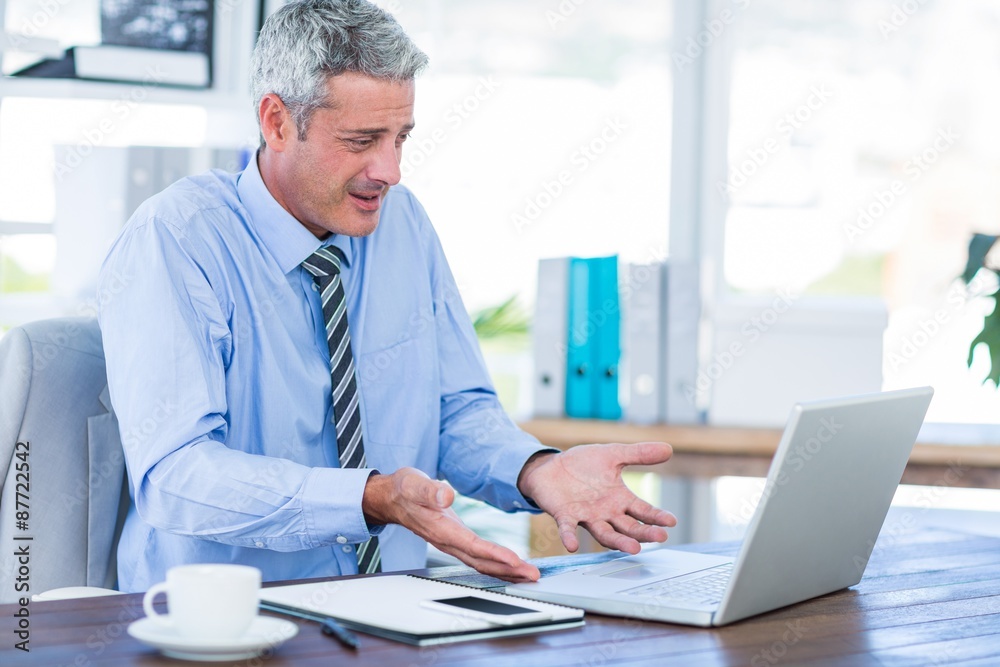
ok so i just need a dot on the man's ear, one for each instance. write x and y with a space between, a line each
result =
276 123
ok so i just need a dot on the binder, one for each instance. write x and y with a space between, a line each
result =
683 316
604 317
593 349
549 337
645 342
579 367
396 607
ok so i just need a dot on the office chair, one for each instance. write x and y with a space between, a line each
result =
62 494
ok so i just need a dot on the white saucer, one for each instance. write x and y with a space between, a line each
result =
264 633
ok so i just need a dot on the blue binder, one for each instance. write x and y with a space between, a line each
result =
579 370
605 341
594 339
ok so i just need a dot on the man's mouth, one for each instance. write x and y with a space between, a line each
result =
368 201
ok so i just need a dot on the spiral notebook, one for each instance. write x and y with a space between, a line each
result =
420 611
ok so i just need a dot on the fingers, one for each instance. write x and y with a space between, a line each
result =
640 532
420 488
607 536
642 453
487 557
567 533
424 505
444 495
646 513
520 573
626 534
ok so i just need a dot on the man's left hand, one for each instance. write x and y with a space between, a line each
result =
583 486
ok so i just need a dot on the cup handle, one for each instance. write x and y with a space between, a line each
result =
147 604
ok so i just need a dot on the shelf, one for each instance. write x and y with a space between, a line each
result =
147 93
947 458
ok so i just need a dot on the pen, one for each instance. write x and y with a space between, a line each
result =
329 626
342 634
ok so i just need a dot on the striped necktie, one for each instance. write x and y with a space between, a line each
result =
324 265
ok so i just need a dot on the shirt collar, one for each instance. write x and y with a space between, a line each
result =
288 241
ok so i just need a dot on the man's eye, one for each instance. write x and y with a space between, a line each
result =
360 143
402 138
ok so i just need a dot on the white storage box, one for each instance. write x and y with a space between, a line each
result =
769 353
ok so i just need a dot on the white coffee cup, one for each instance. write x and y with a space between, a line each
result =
212 601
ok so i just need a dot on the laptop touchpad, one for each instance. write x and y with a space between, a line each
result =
640 571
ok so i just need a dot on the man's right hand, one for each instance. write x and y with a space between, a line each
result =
410 498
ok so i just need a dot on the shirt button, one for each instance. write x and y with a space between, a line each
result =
347 549
259 545
341 539
517 504
315 287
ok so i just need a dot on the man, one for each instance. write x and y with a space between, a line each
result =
289 359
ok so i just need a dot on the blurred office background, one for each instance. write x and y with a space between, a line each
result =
850 151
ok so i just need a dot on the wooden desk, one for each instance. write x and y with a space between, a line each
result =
705 451
928 598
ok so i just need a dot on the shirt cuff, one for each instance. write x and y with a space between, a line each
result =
331 502
508 468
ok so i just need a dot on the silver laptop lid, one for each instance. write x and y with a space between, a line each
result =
827 493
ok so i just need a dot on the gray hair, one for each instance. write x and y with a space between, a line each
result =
306 42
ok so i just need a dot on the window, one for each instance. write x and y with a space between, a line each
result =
863 154
63 193
64 144
26 262
542 130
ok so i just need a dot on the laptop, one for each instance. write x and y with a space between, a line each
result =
827 493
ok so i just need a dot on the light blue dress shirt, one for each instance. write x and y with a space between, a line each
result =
219 375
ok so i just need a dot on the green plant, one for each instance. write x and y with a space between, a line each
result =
979 248
13 278
507 320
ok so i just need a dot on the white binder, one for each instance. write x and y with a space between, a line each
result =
683 306
550 332
645 342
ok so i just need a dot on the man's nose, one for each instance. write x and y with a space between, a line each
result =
385 167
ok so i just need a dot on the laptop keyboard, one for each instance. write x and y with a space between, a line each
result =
702 587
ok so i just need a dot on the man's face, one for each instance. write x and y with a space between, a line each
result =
335 179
